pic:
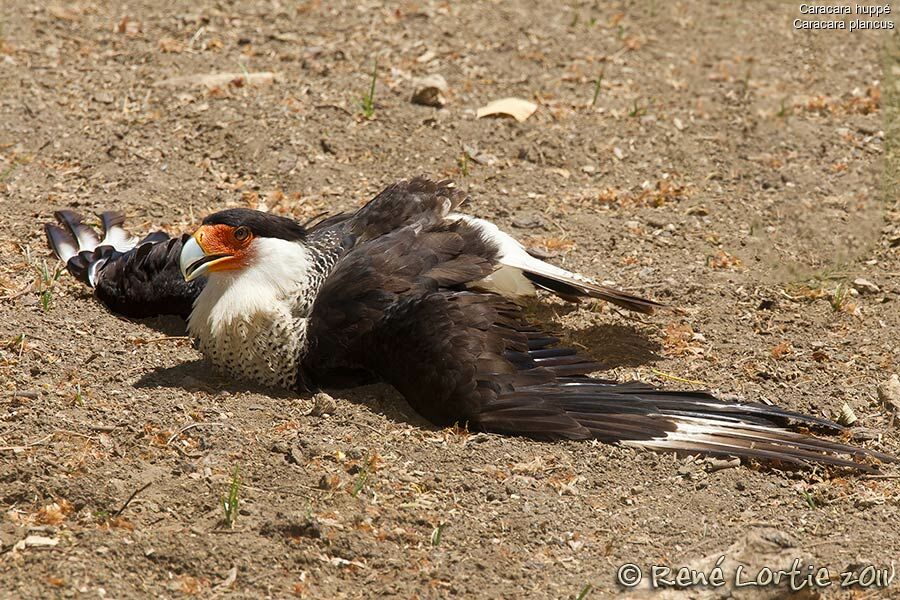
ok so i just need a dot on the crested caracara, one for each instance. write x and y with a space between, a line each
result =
410 292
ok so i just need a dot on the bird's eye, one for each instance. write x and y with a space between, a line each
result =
241 233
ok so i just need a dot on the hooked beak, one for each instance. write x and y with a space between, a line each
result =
194 260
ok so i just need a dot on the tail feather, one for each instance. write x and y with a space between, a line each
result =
567 404
640 420
71 220
573 286
61 242
114 234
82 249
697 434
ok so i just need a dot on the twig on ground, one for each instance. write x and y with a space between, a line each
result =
131 497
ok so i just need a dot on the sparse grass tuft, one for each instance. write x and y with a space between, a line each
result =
101 515
360 482
464 164
231 502
361 478
368 101
782 110
839 297
597 85
809 499
584 592
16 344
436 535
637 110
366 469
46 280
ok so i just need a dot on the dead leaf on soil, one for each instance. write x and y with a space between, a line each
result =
551 245
819 356
680 340
193 585
170 45
846 416
782 350
516 108
129 26
229 580
53 514
120 523
723 260
429 91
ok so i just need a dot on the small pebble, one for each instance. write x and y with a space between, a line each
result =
865 286
429 91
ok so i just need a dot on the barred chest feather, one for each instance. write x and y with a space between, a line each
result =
251 323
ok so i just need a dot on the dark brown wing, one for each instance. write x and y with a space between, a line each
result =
396 308
416 203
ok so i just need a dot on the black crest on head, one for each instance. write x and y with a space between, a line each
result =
260 223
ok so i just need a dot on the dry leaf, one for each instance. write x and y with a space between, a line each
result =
819 356
170 45
680 340
120 523
129 27
846 416
551 244
53 514
889 393
516 108
781 350
723 260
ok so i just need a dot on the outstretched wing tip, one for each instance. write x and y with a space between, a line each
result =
60 242
767 444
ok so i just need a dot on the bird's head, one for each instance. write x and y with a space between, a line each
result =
232 240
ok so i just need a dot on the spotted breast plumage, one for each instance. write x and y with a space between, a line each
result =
409 291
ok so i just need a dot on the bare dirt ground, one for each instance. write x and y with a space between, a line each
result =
730 166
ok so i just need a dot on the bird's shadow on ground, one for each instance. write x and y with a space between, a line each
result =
612 345
169 325
199 376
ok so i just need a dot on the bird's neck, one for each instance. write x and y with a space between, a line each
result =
252 322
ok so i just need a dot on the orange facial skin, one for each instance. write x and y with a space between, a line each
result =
231 243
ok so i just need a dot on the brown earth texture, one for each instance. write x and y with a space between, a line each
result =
707 154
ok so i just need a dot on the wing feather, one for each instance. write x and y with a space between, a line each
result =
401 308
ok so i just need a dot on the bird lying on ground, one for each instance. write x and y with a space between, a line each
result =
410 292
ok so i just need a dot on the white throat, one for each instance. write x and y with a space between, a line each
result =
249 321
